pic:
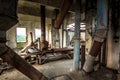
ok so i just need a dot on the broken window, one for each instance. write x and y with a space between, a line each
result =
21 35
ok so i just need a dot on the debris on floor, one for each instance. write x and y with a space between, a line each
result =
60 70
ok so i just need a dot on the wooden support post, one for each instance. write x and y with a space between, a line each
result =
15 60
82 54
44 43
100 34
43 34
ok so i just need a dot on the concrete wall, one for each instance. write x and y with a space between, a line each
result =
113 50
30 23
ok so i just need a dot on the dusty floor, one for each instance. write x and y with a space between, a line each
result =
62 70
50 70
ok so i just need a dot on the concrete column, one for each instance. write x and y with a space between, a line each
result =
99 36
57 38
68 38
53 33
77 36
103 52
62 34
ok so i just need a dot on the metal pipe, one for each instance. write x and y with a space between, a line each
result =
15 60
100 34
77 36
102 14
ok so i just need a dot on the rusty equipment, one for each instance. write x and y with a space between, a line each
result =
41 55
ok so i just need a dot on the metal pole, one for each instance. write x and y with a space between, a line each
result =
43 35
77 36
31 36
102 14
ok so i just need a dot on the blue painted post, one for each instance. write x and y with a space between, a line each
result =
2 36
77 36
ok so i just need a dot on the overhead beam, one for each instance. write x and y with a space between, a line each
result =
31 7
30 10
63 12
52 3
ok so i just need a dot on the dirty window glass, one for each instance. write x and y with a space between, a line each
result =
37 33
21 34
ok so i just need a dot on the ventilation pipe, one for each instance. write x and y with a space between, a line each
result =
99 36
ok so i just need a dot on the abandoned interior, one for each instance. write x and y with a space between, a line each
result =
59 40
